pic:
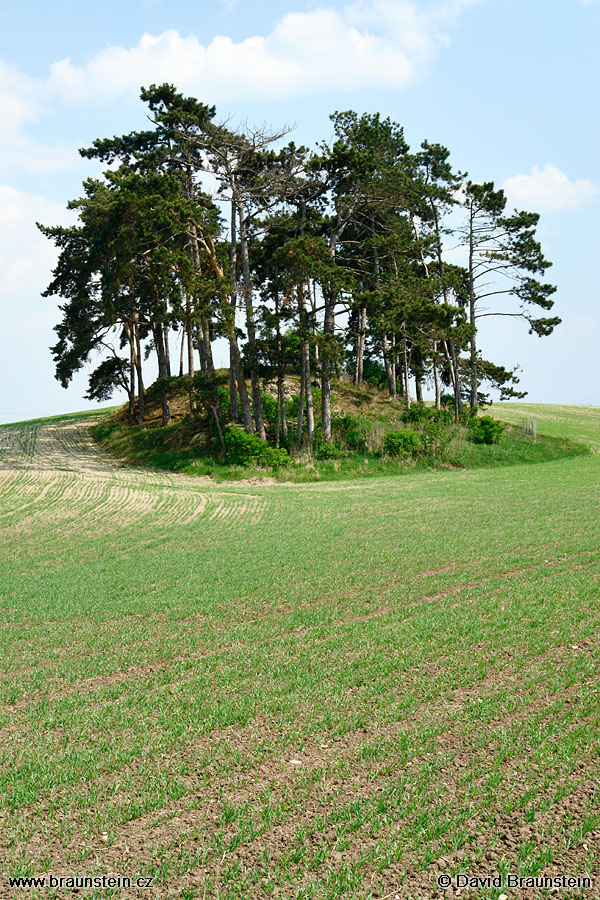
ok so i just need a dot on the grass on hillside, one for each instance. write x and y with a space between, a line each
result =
182 445
577 423
326 692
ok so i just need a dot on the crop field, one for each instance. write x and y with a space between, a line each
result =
257 690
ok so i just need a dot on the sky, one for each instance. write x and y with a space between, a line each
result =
510 87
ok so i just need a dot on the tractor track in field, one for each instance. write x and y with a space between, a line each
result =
56 479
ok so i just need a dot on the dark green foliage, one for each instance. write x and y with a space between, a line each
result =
110 375
249 450
157 387
211 392
351 432
485 430
374 373
269 406
403 443
225 402
292 406
330 450
419 413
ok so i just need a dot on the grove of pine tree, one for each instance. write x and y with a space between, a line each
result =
317 263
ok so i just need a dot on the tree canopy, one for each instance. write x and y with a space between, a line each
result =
324 263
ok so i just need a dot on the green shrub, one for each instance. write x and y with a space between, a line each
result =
331 451
249 450
466 415
418 413
269 407
292 406
436 438
402 443
485 430
225 402
351 432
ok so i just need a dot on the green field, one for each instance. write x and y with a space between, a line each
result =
576 423
298 691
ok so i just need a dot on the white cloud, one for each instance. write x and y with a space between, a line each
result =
368 44
549 190
24 101
21 97
26 256
372 43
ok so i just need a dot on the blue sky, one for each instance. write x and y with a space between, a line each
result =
510 88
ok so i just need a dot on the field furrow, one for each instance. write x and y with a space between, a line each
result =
303 691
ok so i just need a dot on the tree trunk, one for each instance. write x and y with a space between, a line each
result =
281 413
313 302
167 350
389 373
210 369
190 356
363 338
308 394
181 351
282 429
472 339
457 397
250 326
205 336
234 407
310 415
138 366
300 424
450 354
406 374
163 371
328 330
131 390
360 345
436 378
235 360
241 383
201 347
419 388
473 363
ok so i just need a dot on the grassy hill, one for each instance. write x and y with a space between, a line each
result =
323 690
362 418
